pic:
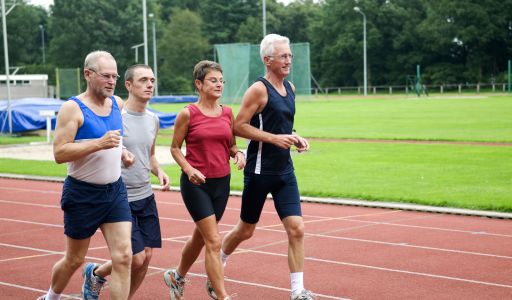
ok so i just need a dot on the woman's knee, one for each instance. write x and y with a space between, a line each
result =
245 231
213 243
74 262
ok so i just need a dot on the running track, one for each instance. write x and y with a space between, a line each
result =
351 252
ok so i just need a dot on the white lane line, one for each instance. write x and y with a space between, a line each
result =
49 252
435 228
23 287
321 235
390 270
29 203
29 190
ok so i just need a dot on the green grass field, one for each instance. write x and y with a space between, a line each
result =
456 175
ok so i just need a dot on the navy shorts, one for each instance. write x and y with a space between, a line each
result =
87 205
145 225
283 188
206 199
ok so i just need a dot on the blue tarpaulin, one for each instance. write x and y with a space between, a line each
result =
25 114
174 99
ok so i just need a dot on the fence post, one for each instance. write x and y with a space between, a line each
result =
374 90
493 88
391 90
460 88
339 91
441 88
478 88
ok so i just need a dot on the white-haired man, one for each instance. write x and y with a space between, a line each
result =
266 118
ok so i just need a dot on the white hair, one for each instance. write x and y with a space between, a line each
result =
268 42
91 60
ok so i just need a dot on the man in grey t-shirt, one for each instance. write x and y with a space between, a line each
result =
140 128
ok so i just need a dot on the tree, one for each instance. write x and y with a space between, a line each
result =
96 25
223 17
184 46
24 35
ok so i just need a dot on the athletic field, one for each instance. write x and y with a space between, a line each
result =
439 150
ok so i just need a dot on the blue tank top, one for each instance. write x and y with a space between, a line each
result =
276 117
95 126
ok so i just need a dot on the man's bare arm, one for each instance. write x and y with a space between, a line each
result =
65 149
254 100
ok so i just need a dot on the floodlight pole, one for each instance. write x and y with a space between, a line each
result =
145 28
155 70
42 42
264 16
6 57
357 9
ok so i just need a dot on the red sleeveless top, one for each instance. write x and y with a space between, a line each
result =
208 141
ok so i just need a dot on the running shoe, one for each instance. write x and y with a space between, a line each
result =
304 295
176 287
209 289
92 283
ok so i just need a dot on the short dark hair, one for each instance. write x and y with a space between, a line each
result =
204 67
128 75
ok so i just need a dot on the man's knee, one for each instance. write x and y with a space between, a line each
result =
294 228
139 260
122 256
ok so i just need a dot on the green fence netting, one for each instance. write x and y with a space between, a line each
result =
67 82
241 64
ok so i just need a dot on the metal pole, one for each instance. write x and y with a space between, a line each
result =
6 57
155 69
145 25
365 82
364 59
509 67
42 42
264 16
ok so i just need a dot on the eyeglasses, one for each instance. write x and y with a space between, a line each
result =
114 77
283 56
215 80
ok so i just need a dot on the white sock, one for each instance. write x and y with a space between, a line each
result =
51 295
223 257
297 280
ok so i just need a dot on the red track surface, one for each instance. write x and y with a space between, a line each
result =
351 252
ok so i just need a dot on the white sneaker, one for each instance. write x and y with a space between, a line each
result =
303 295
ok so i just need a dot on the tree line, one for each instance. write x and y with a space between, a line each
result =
454 41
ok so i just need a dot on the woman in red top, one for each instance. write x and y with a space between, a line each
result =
207 128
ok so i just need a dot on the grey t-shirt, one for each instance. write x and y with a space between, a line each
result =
139 132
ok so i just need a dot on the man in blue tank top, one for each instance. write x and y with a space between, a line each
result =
88 138
266 118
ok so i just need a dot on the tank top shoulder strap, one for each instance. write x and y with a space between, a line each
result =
192 109
114 103
79 102
226 110
267 84
288 87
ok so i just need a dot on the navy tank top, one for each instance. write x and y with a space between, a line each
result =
276 117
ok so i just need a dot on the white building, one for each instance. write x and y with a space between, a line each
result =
25 86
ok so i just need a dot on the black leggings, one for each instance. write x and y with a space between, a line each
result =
206 199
